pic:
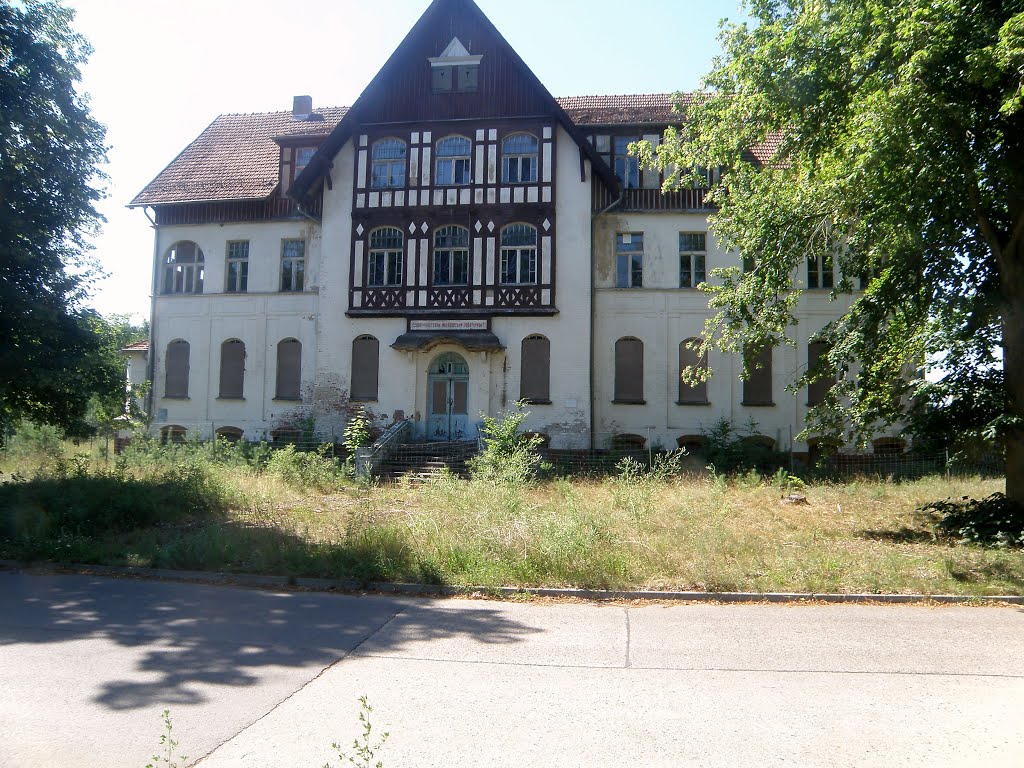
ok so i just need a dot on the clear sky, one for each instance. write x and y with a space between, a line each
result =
162 71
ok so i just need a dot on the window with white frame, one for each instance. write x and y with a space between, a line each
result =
692 259
626 166
388 169
293 265
629 260
237 266
452 166
302 157
518 255
386 257
519 159
184 266
451 256
820 271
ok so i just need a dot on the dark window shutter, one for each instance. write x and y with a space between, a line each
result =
535 370
289 369
817 390
629 370
688 357
232 368
365 366
757 390
176 363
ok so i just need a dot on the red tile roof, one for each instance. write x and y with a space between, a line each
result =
235 158
138 346
765 151
637 108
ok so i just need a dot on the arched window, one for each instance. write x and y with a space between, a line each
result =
388 168
232 369
519 159
172 433
757 389
289 370
817 390
452 166
231 434
629 370
451 256
386 257
183 268
518 255
535 370
689 358
365 367
176 369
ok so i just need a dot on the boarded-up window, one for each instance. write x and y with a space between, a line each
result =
817 390
289 369
172 433
535 370
629 370
757 390
231 434
689 357
365 366
232 368
176 365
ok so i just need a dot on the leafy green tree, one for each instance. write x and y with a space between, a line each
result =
51 356
888 135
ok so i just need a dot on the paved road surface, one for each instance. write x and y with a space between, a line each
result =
257 678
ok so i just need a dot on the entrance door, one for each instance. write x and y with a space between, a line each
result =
448 398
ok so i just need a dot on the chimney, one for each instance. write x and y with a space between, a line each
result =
302 107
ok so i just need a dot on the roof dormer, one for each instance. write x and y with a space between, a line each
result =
456 69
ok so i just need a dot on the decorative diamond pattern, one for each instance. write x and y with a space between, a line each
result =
490 226
424 227
546 225
359 230
479 226
412 227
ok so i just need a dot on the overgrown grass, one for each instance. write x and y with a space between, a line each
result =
239 509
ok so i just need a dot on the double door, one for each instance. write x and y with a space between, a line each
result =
448 399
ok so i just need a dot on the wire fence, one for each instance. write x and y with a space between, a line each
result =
412 457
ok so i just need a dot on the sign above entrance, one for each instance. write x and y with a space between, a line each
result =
449 325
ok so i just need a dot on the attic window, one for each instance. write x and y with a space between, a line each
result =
302 157
455 69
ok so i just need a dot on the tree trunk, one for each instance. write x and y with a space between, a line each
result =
1013 370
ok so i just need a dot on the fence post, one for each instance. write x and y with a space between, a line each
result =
947 466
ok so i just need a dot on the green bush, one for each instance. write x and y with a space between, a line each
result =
35 441
71 501
309 469
509 457
994 521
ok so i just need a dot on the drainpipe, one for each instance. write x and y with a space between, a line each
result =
151 361
593 311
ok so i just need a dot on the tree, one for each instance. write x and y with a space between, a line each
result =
892 139
51 356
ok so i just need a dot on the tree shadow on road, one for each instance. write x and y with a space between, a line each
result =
192 636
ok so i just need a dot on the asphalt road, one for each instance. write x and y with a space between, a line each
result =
258 678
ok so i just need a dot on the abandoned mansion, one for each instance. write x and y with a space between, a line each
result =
454 241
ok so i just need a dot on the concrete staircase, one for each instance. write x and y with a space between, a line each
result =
423 461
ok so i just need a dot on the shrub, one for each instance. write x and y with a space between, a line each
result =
994 521
34 440
509 457
69 501
634 486
308 469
